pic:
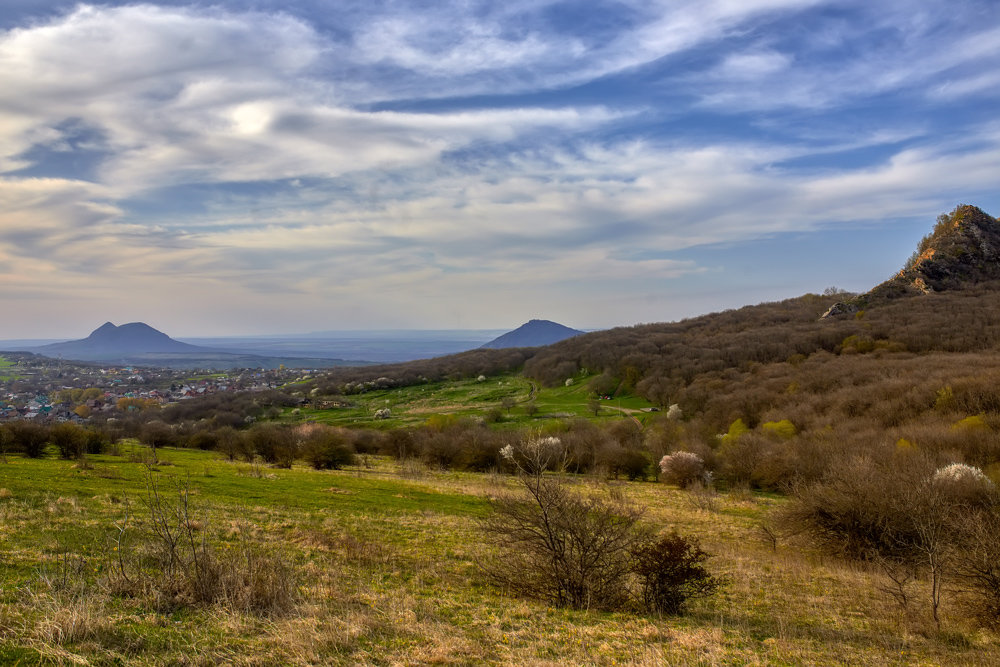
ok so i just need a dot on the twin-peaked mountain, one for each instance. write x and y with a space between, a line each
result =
109 342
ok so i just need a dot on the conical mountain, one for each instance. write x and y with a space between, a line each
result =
534 333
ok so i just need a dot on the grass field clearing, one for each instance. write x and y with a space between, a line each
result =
508 396
384 559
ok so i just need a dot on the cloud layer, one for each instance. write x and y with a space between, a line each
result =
465 164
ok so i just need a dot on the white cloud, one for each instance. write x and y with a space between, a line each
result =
753 65
900 49
422 214
180 95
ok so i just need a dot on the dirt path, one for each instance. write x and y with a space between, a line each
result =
628 412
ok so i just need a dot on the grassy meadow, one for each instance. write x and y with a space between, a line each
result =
5 374
382 563
515 401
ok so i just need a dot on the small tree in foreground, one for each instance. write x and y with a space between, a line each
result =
672 571
556 545
909 519
584 550
977 566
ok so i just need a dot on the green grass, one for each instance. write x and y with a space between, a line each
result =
385 555
204 376
7 363
411 406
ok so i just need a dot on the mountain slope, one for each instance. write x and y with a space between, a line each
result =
959 313
534 333
962 250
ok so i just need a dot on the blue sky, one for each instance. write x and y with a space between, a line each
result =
266 167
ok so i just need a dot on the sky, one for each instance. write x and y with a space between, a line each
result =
268 167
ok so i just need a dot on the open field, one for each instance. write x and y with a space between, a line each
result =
6 363
410 406
383 558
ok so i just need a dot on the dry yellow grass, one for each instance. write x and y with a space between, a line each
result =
386 567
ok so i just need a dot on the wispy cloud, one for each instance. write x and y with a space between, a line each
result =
421 166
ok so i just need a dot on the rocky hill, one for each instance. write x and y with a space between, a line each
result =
534 333
963 250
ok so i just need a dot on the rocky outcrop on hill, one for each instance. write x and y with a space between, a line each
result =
963 249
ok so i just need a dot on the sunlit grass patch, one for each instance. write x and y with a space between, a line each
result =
385 564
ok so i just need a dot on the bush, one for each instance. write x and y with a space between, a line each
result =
561 547
69 439
204 440
671 571
964 484
481 451
782 430
619 461
95 442
158 434
584 550
273 443
29 438
904 516
977 567
682 468
556 545
167 556
861 509
328 449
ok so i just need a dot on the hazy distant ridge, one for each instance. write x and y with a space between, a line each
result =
138 343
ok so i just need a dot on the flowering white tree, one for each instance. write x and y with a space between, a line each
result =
683 468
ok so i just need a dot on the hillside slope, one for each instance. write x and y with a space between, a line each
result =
959 313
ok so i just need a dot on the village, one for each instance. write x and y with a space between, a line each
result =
34 387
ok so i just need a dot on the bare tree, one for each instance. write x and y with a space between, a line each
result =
557 545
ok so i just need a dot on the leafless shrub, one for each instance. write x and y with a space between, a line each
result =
904 517
977 566
165 554
557 545
702 496
584 550
560 546
769 534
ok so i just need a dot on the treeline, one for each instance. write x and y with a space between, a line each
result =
443 442
657 360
